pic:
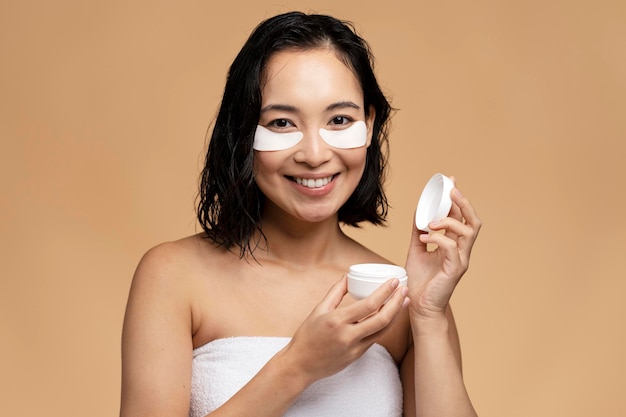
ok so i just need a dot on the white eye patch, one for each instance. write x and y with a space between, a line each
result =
353 137
266 140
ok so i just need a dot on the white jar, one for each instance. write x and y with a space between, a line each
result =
363 279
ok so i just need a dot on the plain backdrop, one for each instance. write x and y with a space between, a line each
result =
104 109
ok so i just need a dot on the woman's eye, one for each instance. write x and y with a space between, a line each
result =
340 120
281 123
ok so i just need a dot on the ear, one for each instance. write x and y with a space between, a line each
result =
369 122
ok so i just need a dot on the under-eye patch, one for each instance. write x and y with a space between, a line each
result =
266 140
353 137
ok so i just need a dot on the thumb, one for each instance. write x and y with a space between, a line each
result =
416 246
335 294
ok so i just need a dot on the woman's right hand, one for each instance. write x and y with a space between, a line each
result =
333 337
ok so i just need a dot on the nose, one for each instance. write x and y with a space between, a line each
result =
312 149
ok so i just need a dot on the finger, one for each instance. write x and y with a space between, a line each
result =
370 304
442 241
458 240
455 213
448 249
455 230
472 221
463 224
375 324
467 210
443 224
335 294
455 210
415 244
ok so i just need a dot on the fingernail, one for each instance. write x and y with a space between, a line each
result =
395 282
457 192
406 302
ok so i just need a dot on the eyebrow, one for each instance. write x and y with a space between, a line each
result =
293 109
343 105
279 107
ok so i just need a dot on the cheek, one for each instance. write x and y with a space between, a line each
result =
266 163
355 158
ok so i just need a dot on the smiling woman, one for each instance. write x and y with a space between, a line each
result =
233 190
267 329
311 92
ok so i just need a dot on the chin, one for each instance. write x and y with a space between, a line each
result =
318 216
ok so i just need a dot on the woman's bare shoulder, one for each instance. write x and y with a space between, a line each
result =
175 263
178 253
176 283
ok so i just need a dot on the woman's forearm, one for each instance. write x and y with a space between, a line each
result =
439 386
269 393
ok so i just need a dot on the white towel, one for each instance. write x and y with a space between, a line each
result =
368 387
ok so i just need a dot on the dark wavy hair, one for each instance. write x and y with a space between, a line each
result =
230 203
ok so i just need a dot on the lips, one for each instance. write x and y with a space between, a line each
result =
313 182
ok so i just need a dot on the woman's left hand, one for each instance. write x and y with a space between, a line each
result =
433 275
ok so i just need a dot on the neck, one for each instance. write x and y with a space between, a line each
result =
299 244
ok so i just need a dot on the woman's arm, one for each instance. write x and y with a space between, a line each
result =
157 344
431 371
329 339
157 349
437 365
156 339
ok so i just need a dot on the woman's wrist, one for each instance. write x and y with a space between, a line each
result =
294 376
270 393
433 323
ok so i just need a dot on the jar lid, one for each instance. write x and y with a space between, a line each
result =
435 202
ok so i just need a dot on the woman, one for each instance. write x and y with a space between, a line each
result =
251 316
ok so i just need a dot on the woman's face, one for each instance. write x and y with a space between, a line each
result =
305 91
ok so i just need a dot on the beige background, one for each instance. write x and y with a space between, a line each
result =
103 112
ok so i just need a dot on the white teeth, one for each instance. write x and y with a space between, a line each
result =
310 183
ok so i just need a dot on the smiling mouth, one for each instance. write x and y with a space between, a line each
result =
313 183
